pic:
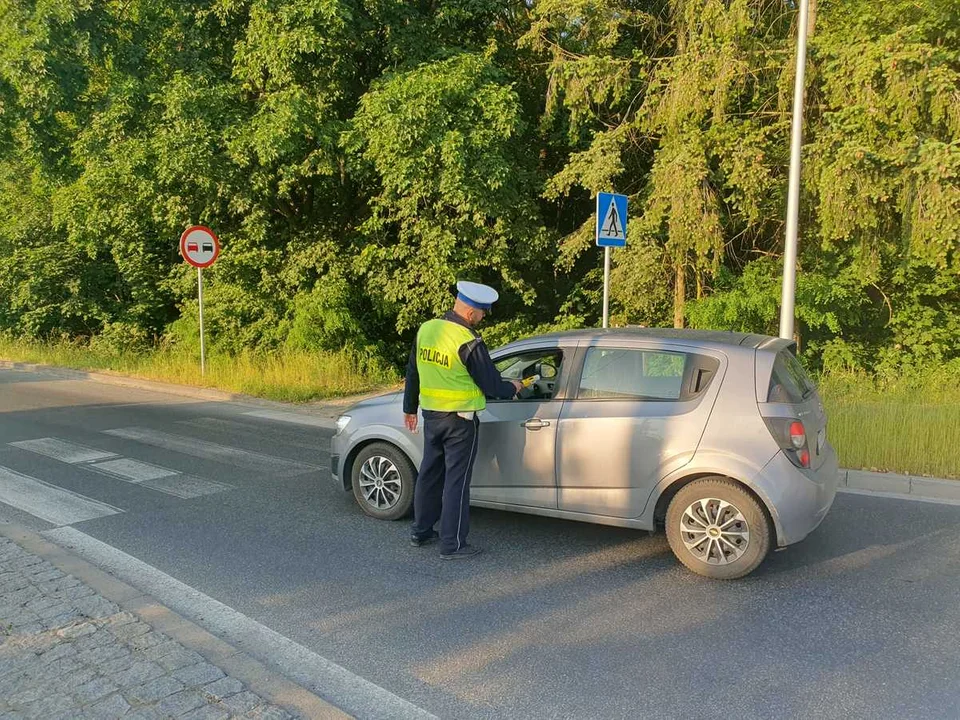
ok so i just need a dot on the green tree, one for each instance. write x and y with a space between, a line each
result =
454 196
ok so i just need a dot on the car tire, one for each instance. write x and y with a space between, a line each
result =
718 529
383 478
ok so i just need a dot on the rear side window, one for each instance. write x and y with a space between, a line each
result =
632 374
789 382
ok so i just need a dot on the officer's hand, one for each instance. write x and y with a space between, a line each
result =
411 422
518 386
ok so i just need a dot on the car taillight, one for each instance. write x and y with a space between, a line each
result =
798 435
791 436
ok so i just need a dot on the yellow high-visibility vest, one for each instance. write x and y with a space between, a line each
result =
445 383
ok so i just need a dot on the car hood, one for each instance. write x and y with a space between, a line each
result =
378 401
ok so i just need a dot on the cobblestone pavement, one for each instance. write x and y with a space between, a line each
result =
67 652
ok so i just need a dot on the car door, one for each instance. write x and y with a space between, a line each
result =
637 413
516 457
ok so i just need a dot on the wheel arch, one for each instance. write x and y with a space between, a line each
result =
671 490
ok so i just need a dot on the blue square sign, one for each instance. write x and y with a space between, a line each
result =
611 220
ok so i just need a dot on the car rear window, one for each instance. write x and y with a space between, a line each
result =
789 382
632 374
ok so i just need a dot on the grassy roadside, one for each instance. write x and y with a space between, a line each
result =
906 426
910 427
284 376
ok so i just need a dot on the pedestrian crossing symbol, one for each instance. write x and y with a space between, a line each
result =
611 220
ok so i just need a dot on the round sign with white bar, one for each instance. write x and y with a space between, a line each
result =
199 246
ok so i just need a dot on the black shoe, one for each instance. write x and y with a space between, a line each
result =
418 541
465 551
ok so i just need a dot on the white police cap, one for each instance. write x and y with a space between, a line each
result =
481 297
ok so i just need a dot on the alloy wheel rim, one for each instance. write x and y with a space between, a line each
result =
380 482
714 531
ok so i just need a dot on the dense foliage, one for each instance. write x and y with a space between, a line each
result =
356 157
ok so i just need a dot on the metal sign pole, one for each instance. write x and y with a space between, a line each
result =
606 286
788 295
200 297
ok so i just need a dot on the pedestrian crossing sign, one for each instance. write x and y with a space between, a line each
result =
611 220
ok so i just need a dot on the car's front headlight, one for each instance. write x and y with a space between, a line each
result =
342 423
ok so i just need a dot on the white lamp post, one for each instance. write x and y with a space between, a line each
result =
788 297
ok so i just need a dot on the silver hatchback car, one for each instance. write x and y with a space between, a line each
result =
718 437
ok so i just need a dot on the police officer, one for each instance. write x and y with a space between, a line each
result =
450 375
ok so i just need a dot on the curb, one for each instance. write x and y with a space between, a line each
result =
901 486
270 685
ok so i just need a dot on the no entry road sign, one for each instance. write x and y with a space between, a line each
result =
199 246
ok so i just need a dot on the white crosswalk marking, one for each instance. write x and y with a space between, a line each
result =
62 450
47 502
278 467
295 418
159 478
134 470
186 486
253 431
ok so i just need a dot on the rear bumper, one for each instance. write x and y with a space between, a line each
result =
799 499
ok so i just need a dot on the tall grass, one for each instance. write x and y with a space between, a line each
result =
906 425
286 376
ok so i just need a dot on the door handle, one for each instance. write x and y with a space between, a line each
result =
535 424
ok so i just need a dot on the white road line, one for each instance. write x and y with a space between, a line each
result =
133 470
348 691
62 450
48 502
279 467
295 418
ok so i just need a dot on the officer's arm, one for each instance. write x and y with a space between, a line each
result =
411 388
475 356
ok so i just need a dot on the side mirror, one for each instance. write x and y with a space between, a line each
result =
547 371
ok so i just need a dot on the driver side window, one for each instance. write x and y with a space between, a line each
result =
528 365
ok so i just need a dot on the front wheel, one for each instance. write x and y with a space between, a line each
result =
383 480
717 529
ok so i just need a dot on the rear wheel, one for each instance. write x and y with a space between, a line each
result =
383 479
717 529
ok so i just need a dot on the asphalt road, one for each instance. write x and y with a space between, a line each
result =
555 620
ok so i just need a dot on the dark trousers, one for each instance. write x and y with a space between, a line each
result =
443 485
